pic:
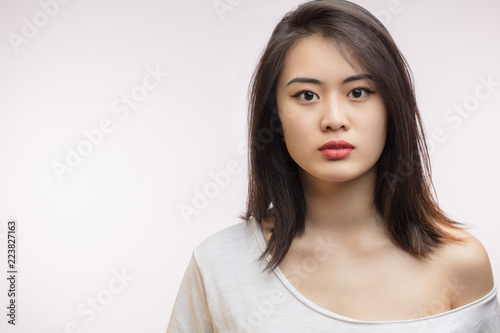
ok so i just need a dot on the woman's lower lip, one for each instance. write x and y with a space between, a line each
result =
336 153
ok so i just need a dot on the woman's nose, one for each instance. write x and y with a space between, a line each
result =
333 116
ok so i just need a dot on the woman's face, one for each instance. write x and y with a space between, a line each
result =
341 104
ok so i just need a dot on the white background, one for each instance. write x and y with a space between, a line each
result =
118 210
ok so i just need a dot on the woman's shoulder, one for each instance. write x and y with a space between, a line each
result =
466 264
227 243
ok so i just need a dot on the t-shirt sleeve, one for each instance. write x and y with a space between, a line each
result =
489 320
483 317
190 312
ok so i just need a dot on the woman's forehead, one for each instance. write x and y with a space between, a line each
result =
319 57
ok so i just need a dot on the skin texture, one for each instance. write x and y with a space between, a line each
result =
345 262
333 114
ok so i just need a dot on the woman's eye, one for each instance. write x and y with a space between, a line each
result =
307 95
359 93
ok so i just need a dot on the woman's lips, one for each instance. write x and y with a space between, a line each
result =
336 145
336 149
336 153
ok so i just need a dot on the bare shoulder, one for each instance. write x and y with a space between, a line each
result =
467 265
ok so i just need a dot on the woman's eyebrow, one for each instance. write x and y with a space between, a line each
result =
361 76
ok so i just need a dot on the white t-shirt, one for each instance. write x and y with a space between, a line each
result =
224 290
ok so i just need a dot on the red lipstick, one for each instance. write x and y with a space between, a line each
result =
336 149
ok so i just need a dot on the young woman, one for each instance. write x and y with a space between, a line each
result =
341 232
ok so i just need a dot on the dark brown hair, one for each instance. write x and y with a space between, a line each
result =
403 186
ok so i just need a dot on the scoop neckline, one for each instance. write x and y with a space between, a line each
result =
262 245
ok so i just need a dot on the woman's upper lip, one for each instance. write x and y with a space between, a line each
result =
336 144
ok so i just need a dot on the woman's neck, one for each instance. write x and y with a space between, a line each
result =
345 208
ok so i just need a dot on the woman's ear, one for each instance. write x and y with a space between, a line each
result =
275 122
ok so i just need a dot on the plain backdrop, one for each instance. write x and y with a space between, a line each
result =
102 243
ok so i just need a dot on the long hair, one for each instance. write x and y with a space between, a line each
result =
403 185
